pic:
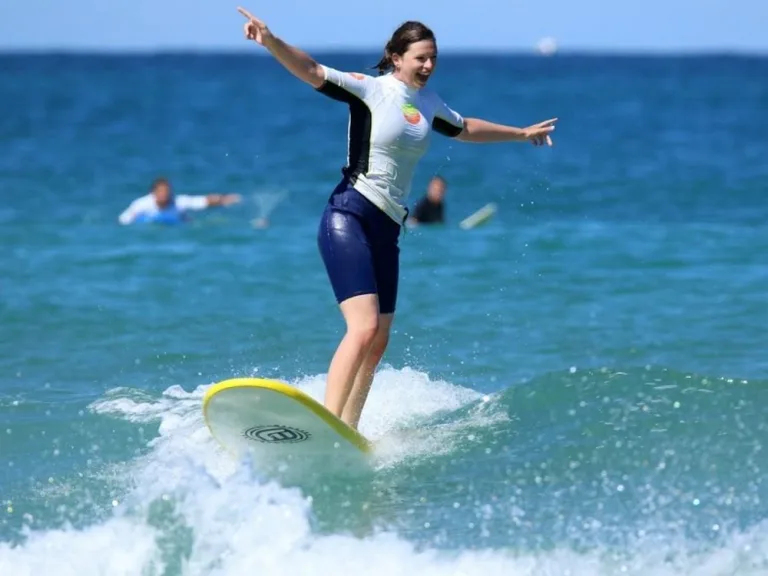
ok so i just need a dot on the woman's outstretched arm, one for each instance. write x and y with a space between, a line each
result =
477 130
296 61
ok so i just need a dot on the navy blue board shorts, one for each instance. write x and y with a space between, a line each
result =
358 243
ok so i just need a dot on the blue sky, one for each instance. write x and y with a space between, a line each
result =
634 25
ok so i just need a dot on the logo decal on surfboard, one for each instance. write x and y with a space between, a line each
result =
276 434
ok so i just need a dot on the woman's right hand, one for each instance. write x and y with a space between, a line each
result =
255 29
298 63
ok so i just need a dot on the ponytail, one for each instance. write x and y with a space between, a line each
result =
386 61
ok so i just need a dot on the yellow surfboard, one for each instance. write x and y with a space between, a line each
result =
281 427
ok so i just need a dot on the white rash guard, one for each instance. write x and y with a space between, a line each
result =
147 206
390 125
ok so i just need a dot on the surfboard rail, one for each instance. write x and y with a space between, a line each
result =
336 424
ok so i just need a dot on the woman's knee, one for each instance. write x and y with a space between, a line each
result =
379 342
364 331
362 317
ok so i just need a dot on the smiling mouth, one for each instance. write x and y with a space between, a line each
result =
422 77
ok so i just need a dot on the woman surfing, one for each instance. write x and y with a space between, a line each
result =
391 118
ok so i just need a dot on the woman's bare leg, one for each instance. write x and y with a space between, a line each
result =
361 314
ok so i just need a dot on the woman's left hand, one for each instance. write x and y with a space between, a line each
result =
539 133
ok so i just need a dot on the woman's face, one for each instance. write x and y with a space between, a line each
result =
417 64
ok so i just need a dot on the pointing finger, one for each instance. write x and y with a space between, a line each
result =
549 122
248 15
245 13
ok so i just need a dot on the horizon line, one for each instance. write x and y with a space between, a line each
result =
455 51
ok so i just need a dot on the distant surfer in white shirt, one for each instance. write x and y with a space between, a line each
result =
162 206
391 119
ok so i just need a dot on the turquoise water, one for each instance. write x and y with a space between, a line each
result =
578 387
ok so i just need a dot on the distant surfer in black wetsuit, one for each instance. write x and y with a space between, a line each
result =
431 208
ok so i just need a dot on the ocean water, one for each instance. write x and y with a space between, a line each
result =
579 387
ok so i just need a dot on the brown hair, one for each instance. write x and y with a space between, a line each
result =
438 178
407 33
159 181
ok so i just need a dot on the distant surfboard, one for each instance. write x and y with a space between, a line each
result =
283 429
479 217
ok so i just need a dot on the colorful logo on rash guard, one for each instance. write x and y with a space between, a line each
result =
411 113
